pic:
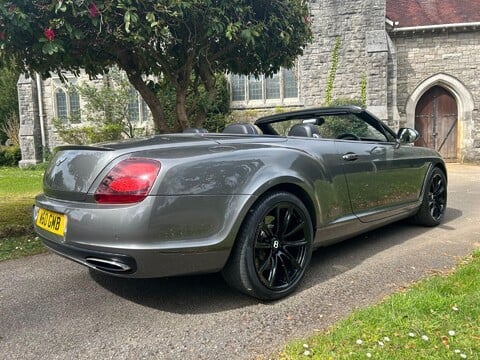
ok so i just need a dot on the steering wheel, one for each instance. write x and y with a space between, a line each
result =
348 136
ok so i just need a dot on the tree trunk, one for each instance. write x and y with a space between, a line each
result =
152 101
181 110
208 80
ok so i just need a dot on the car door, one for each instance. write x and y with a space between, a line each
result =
364 164
374 167
367 156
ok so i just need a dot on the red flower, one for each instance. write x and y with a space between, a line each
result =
49 34
11 8
93 10
2 35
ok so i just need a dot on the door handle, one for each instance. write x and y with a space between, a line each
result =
350 157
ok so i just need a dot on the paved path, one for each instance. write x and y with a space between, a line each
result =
51 308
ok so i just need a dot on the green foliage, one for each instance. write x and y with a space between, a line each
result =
363 90
11 128
10 155
204 111
337 125
87 134
333 71
171 40
106 112
8 98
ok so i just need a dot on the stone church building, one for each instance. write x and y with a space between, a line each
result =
414 63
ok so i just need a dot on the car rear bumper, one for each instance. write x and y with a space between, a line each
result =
141 264
162 236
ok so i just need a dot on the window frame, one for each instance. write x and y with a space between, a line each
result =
68 104
264 101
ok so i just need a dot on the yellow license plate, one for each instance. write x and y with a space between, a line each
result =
51 221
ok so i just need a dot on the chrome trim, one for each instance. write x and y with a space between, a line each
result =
110 265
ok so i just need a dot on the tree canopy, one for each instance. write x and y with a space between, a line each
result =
184 41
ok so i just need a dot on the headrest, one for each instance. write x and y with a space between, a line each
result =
241 128
305 130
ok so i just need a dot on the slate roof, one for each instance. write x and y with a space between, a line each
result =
432 12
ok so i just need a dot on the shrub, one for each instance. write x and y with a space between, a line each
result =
10 155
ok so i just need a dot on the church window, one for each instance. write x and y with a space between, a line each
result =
137 107
276 89
67 105
74 100
133 106
61 105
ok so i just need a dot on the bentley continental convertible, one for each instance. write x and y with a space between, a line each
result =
251 202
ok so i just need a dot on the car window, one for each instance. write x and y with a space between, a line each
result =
349 127
339 126
283 127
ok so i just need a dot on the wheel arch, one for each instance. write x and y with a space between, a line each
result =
290 185
302 194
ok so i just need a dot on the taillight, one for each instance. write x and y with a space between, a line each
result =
128 182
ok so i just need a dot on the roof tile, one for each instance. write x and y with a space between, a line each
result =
433 12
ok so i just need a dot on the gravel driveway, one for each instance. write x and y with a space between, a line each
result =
52 308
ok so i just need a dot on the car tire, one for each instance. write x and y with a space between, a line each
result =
434 202
273 248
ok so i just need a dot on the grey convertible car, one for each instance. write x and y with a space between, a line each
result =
251 202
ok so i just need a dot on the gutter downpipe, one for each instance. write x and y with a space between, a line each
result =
435 27
40 113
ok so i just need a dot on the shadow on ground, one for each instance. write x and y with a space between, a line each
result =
209 293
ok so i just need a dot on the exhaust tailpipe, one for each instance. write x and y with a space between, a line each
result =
107 265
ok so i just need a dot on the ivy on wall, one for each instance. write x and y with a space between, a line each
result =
332 72
363 90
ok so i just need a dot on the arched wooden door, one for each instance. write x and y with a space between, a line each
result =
436 117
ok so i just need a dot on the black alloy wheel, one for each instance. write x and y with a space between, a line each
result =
281 246
437 196
273 248
434 202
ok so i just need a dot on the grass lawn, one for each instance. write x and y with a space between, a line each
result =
17 191
438 318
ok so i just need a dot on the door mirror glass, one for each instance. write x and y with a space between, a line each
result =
407 135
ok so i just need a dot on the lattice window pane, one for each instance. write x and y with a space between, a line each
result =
273 87
61 105
254 88
133 111
145 111
290 86
74 101
238 87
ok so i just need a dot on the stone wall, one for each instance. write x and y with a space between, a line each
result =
360 26
452 56
30 133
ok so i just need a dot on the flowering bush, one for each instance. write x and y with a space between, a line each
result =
150 41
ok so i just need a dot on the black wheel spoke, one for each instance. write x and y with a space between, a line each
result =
267 231
286 221
292 260
297 243
262 245
296 229
273 271
286 271
265 265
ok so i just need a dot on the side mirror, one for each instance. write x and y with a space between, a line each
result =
407 135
